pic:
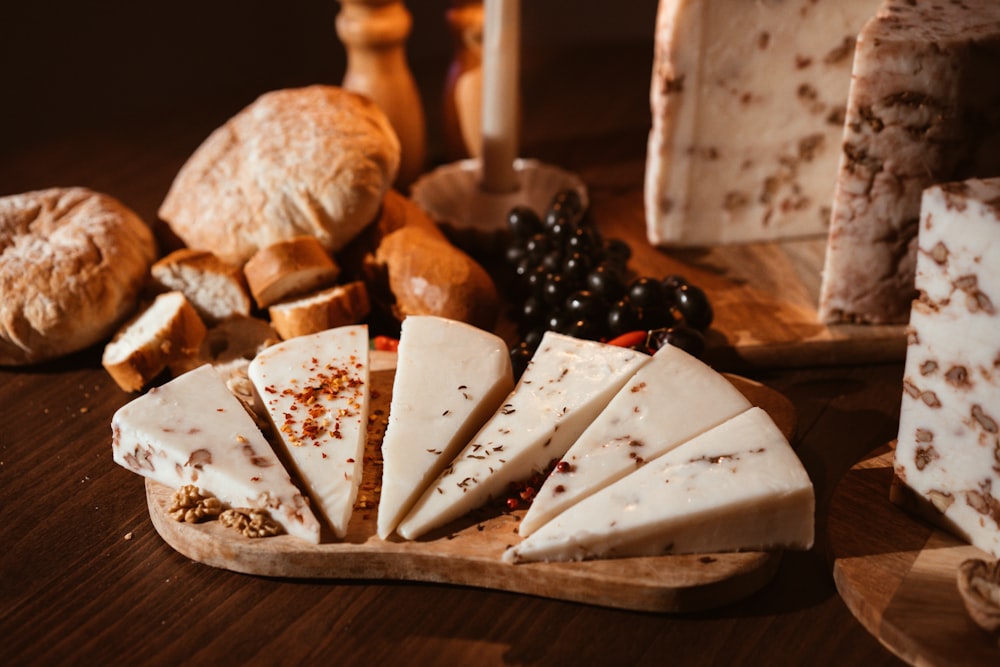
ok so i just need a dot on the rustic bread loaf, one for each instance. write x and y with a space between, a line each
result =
308 161
333 307
167 330
72 265
289 268
215 288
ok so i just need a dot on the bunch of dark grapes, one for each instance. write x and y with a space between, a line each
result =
565 277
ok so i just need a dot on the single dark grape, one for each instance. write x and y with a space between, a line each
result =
622 318
654 317
583 240
554 289
553 261
605 282
584 305
523 222
534 280
536 247
584 328
673 281
646 292
684 337
532 337
533 310
693 305
576 267
557 322
567 201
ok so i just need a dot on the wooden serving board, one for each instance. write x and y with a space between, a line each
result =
467 552
897 573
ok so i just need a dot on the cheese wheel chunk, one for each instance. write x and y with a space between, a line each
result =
315 390
747 104
192 430
566 384
737 487
948 442
450 378
668 401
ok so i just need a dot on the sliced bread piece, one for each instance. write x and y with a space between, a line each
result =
333 307
215 288
289 268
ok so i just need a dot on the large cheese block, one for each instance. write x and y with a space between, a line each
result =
450 378
568 381
193 430
668 401
924 108
948 449
315 390
747 104
736 487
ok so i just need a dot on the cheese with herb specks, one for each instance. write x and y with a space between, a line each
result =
568 381
668 401
948 446
193 430
450 378
924 108
736 487
747 104
315 390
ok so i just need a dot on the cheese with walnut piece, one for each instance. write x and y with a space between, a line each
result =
747 106
736 487
568 381
192 430
315 390
450 378
948 447
668 401
924 108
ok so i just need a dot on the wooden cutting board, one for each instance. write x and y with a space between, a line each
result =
897 573
468 551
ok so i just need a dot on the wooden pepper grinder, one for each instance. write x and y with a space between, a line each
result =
463 91
374 34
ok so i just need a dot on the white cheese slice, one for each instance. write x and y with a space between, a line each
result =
668 401
922 110
193 430
315 390
736 487
566 384
948 444
450 378
747 103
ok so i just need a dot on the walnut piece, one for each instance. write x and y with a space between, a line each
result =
251 522
979 585
191 505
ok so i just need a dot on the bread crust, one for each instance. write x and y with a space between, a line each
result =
337 306
72 265
289 268
306 161
196 273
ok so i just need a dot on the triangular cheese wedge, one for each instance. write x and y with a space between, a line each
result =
667 402
315 390
193 430
566 384
450 378
737 487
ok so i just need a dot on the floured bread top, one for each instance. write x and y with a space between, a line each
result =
312 161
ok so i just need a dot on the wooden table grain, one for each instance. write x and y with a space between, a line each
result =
85 579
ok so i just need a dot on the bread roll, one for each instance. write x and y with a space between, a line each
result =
72 265
215 288
289 268
168 330
307 161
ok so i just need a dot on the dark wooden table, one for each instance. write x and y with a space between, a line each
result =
84 578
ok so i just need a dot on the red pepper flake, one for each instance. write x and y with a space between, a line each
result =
385 344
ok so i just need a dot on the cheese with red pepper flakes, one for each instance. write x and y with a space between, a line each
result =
667 402
566 384
194 431
450 378
747 101
736 487
315 390
948 446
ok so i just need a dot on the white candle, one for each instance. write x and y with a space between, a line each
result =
501 94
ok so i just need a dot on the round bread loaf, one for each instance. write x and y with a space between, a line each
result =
72 264
312 161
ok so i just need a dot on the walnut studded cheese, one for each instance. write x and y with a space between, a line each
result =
948 448
747 102
922 110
